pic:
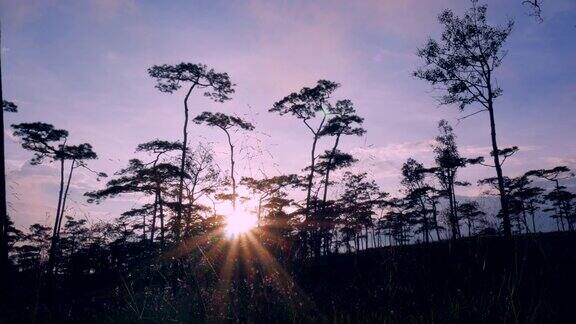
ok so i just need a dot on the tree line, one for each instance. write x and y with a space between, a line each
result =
183 185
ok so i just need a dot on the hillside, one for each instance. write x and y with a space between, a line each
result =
472 280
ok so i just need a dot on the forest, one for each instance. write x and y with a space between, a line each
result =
207 243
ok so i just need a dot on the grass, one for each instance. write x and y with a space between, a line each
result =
479 280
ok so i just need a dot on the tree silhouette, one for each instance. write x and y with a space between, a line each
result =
4 218
276 224
49 143
524 201
344 121
7 106
464 62
203 181
74 239
398 220
535 9
268 189
139 177
332 160
34 247
164 258
433 196
161 173
416 190
532 199
563 202
448 161
305 105
560 198
171 78
324 212
357 203
226 123
77 154
14 237
471 214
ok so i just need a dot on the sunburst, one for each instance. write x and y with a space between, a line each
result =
239 223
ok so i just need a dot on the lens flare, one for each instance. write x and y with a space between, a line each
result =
239 223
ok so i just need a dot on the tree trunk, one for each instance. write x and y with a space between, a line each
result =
525 219
259 217
503 199
435 216
326 181
54 241
559 216
327 177
162 228
452 212
64 197
154 212
311 176
564 209
143 227
232 177
425 234
3 209
367 239
178 220
455 202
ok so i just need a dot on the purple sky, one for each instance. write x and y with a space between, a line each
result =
81 65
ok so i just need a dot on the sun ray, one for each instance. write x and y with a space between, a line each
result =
220 295
285 284
239 223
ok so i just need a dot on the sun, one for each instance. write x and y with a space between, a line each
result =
239 223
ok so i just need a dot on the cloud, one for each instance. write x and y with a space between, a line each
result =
396 151
386 161
569 161
32 192
473 151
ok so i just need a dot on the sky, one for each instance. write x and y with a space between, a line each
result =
81 65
